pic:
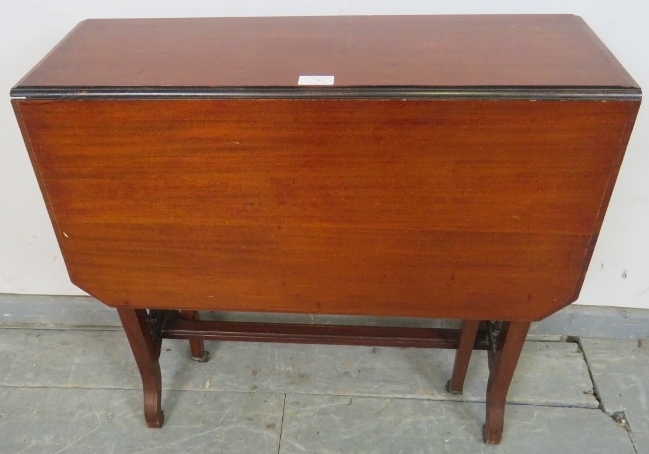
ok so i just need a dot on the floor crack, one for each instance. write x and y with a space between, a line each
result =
619 416
281 426
577 341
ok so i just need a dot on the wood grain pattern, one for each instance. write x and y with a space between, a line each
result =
461 209
378 197
452 51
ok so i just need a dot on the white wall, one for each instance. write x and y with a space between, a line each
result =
30 260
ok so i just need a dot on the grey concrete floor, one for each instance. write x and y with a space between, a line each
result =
78 391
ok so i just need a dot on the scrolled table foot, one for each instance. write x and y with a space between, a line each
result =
503 356
202 359
142 329
492 435
154 417
452 391
153 414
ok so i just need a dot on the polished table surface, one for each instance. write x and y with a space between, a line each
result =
451 166
184 167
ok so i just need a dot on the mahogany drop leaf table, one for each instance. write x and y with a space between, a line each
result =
413 166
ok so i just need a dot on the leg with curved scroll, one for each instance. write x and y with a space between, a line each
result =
503 358
142 330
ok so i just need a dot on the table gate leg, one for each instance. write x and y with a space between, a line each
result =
197 346
142 330
462 356
502 363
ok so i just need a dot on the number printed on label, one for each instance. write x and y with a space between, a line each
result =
315 80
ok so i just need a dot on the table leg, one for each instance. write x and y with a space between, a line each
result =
141 331
462 356
502 363
197 346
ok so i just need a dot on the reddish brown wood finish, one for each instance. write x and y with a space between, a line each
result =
382 336
463 355
459 209
434 207
494 50
146 349
197 346
502 364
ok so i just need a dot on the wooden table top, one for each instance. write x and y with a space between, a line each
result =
190 178
359 51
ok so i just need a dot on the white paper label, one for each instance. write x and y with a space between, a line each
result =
315 80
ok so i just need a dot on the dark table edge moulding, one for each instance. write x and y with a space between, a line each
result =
590 93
